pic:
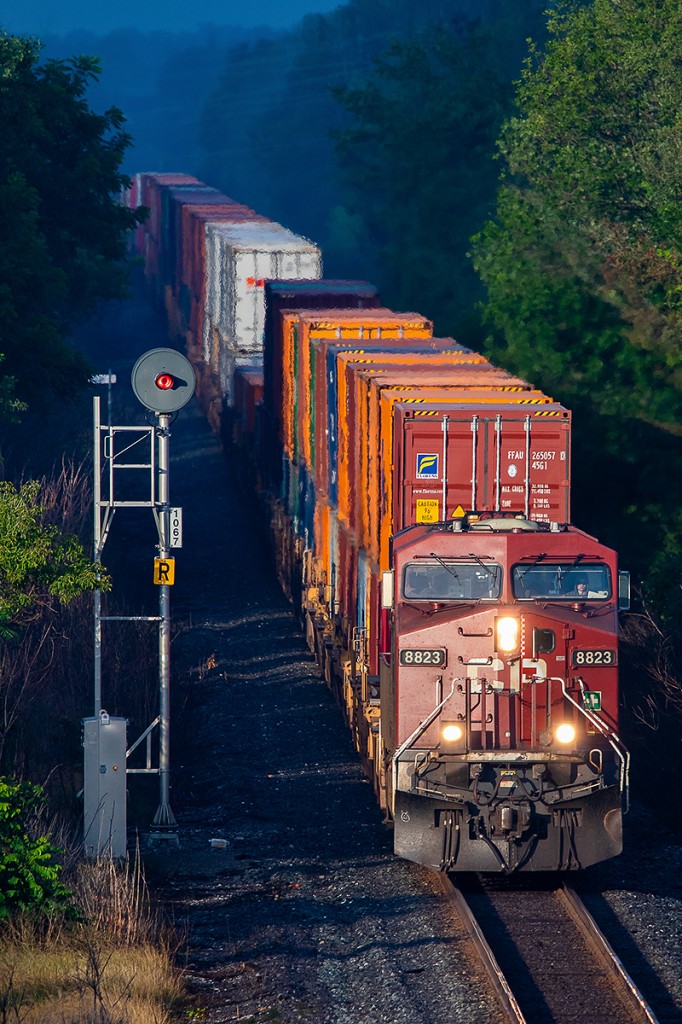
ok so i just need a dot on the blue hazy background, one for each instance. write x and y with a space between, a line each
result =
161 60
50 17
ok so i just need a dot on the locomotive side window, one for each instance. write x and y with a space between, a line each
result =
561 582
452 581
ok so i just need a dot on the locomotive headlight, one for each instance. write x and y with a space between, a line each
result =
565 733
507 634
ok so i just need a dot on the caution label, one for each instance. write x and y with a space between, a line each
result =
164 572
428 510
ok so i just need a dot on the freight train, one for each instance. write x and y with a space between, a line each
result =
419 504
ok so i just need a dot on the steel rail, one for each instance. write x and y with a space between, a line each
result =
492 968
598 941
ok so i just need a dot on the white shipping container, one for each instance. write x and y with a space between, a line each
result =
239 258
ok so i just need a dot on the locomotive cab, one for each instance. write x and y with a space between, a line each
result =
499 697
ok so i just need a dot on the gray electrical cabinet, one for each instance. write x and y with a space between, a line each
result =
104 787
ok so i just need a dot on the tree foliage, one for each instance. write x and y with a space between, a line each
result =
38 565
418 156
419 170
267 129
64 232
583 264
583 261
29 870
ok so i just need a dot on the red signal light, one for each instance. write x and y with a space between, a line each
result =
164 381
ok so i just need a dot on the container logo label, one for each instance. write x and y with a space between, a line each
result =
427 467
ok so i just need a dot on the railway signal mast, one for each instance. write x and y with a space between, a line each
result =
163 381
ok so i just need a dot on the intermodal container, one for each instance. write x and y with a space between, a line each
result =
527 452
359 450
507 456
304 295
329 361
300 327
357 447
193 289
239 260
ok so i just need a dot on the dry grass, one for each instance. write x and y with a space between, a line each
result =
86 981
115 966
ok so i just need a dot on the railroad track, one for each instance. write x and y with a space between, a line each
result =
546 957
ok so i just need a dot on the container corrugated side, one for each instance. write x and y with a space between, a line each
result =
366 383
241 258
194 279
308 295
336 357
340 324
484 443
323 390
427 402
244 256
352 371
360 325
387 326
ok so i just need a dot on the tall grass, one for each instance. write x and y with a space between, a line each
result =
112 965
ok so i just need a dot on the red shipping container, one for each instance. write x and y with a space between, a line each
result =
325 442
442 456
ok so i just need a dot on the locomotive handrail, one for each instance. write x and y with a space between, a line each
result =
421 728
620 750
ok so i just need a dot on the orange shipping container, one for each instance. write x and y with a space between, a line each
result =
300 326
364 442
329 389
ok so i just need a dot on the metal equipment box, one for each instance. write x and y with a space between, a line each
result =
104 789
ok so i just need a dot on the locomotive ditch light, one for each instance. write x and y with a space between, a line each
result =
565 733
452 736
507 634
163 380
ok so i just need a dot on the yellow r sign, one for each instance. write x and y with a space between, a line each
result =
164 571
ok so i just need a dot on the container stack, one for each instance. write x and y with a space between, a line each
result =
381 426
206 259
351 417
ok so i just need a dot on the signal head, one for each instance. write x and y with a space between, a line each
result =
163 380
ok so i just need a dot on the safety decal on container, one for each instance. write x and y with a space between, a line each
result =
427 466
428 510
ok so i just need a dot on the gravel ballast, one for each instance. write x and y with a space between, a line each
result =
306 914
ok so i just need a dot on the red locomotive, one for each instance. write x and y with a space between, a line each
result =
499 696
419 499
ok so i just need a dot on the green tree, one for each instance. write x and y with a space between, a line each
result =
38 565
64 231
418 162
583 263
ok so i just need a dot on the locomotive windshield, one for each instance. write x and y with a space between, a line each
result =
556 582
452 581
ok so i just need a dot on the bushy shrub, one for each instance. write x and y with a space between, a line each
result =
29 868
